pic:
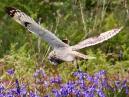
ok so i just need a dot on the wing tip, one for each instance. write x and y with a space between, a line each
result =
10 11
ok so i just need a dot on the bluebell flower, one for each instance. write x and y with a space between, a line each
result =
100 73
78 93
87 94
56 93
56 79
104 83
1 88
91 88
64 91
89 91
124 86
47 96
100 93
23 90
81 75
10 71
70 86
81 84
39 72
36 74
33 94
127 90
9 94
17 86
117 84
90 78
2 95
12 91
46 83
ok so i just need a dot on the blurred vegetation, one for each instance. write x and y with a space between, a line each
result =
71 19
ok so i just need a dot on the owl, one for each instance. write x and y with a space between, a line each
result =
61 51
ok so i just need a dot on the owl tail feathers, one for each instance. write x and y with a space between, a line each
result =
82 56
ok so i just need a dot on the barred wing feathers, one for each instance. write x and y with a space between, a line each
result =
34 27
97 39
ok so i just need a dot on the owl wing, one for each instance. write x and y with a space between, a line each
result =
97 39
34 27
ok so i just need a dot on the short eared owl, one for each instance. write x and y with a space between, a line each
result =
61 51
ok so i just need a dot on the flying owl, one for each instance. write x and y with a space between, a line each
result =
61 51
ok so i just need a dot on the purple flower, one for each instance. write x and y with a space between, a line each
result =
100 93
39 72
23 90
1 88
104 83
47 95
17 86
81 75
10 71
89 78
46 83
56 80
87 94
117 84
124 86
33 94
92 88
69 86
64 91
9 93
56 93
127 90
100 73
2 95
78 93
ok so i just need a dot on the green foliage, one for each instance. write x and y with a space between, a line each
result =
21 60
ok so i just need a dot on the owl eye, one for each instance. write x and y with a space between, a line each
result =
27 24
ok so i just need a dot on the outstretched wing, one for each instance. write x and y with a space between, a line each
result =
97 39
32 26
